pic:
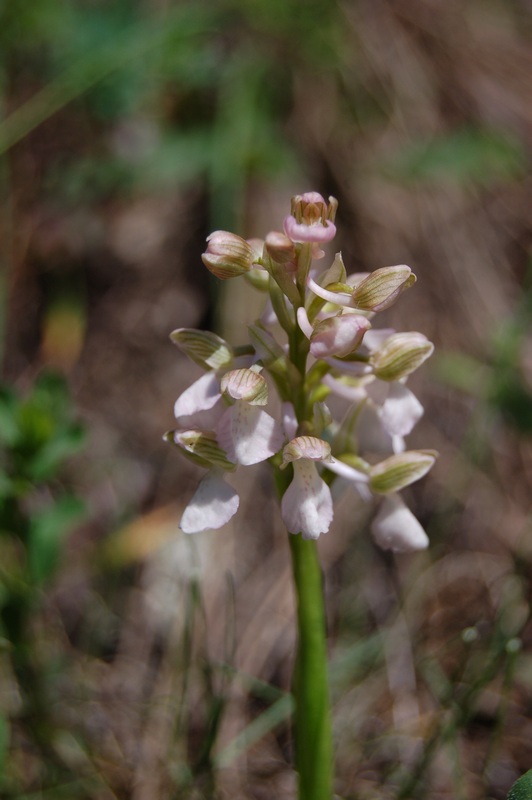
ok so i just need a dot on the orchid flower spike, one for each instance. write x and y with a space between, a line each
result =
317 338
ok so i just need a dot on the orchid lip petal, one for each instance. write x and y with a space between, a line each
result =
307 506
396 528
212 505
400 411
248 434
315 232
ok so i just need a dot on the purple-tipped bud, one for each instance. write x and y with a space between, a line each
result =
228 255
312 219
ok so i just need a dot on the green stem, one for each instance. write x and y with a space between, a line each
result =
312 716
312 719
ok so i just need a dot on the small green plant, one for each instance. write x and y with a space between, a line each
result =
37 434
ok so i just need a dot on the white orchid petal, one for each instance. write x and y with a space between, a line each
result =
289 420
304 322
307 506
212 505
370 432
356 368
396 528
345 471
338 298
248 434
359 479
202 395
400 411
375 338
355 394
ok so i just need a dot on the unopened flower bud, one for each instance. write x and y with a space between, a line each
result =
228 255
400 470
245 384
382 287
338 336
401 354
205 348
280 248
312 219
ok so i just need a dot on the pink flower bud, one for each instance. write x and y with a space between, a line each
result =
281 249
338 336
228 255
312 219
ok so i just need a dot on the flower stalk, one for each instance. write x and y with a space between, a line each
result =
312 716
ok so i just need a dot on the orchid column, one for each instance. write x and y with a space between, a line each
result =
315 340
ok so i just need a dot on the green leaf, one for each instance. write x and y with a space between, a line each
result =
49 458
522 789
48 531
270 719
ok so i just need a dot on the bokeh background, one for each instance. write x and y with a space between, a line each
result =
139 663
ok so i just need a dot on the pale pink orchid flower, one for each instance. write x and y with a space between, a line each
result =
311 219
243 430
246 432
307 505
389 413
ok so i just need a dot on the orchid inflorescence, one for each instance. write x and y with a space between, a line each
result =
344 405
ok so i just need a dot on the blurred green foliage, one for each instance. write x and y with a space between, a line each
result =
37 435
470 155
38 432
197 90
